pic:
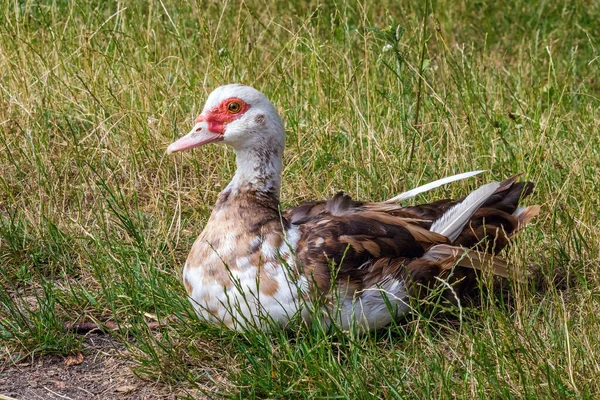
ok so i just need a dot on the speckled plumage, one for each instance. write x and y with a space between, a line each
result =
358 261
237 263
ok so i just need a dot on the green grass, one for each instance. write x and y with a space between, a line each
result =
96 221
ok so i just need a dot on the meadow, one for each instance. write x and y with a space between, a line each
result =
377 97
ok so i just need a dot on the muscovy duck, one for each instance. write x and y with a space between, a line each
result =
254 264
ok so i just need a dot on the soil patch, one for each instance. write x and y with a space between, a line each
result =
102 371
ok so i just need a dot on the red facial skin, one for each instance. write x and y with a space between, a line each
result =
218 117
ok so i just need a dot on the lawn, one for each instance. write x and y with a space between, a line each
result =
96 220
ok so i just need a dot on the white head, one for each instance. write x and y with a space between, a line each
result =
245 119
239 116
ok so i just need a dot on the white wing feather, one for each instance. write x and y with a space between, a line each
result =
453 221
432 185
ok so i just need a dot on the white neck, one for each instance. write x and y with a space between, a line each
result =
258 170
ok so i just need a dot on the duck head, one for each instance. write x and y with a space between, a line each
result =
236 115
243 118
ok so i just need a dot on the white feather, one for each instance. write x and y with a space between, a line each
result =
519 211
453 221
432 185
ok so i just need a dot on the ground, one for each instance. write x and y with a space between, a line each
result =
104 373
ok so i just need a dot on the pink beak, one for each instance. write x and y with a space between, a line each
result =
198 136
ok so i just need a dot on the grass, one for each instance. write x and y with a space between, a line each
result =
96 221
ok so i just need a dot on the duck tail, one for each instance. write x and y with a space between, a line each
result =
452 222
488 221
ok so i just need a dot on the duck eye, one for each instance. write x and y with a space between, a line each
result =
234 107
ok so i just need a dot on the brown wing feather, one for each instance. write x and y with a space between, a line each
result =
362 243
350 235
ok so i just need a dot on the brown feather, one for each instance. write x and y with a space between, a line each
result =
450 256
366 242
525 217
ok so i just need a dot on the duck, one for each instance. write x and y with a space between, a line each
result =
339 261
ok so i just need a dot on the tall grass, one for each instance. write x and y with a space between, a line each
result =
96 221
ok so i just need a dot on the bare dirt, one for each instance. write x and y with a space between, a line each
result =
101 371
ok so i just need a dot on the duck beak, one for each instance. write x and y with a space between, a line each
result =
198 136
